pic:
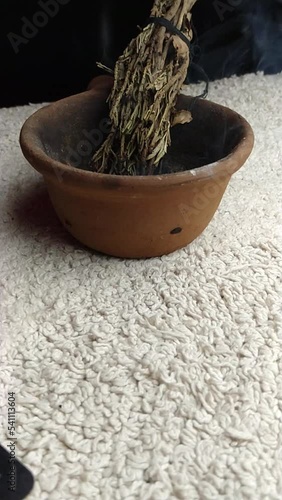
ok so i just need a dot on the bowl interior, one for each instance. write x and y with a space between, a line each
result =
71 130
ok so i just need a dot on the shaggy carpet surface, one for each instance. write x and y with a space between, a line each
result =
157 379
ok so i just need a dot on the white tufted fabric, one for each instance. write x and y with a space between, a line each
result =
157 379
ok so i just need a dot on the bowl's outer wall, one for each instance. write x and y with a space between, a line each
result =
125 216
136 225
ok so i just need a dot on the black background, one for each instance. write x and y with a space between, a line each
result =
61 59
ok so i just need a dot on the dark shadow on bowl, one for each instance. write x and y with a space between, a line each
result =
33 213
35 216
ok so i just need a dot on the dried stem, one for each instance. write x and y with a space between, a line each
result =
147 80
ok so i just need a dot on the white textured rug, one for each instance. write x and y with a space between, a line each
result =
157 379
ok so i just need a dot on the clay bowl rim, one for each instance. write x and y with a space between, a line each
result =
33 151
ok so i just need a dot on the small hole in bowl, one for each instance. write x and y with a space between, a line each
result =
176 230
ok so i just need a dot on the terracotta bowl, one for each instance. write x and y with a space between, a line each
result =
142 216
